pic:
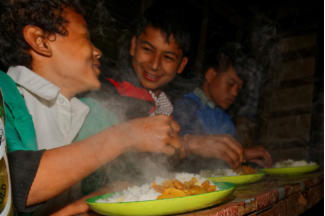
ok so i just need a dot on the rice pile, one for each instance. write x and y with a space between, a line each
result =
145 191
218 173
292 163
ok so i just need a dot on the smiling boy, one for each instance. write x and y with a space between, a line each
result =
156 59
157 54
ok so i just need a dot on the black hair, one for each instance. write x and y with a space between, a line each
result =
16 14
171 19
222 58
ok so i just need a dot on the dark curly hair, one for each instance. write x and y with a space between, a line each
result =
15 14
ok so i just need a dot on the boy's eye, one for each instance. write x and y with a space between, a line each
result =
169 58
147 49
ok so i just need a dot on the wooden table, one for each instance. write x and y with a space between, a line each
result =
274 195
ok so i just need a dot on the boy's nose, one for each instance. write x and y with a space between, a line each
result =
235 91
97 53
155 62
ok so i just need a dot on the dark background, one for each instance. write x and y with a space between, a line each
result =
215 21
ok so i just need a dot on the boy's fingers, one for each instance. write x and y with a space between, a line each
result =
174 139
235 147
175 142
175 127
232 163
233 158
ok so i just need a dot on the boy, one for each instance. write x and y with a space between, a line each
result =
203 111
159 52
47 47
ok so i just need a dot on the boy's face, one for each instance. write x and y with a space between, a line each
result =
155 61
222 88
75 60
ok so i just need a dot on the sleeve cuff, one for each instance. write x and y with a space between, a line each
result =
23 168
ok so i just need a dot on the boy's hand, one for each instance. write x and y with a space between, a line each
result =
224 147
153 134
258 155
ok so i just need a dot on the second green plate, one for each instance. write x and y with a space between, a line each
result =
240 179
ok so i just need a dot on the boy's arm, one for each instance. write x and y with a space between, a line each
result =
196 142
62 167
224 147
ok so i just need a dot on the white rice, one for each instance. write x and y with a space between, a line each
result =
145 191
218 173
292 163
188 176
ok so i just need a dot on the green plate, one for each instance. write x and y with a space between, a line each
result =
290 170
162 206
240 179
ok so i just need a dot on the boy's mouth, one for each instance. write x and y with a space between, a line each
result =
151 77
97 68
229 101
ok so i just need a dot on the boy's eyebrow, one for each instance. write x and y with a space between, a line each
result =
172 53
85 30
147 43
239 81
167 52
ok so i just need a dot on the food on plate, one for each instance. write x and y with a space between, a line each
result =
293 163
175 188
243 170
291 167
182 184
218 173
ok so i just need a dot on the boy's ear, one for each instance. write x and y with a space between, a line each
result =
182 65
210 74
133 45
37 40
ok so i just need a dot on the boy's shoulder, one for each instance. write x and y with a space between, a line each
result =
9 89
188 100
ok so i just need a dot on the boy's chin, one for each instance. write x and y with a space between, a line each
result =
97 87
94 87
152 87
225 107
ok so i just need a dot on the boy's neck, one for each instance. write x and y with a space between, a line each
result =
156 91
66 91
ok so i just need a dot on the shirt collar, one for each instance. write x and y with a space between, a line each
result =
128 89
204 99
33 82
